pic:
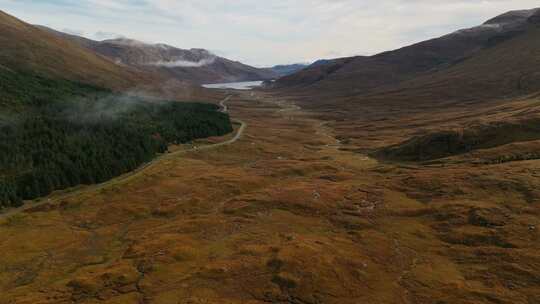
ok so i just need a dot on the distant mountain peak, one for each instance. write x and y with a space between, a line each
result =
507 22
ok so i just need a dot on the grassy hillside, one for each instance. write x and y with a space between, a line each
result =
435 65
435 145
314 73
508 69
30 48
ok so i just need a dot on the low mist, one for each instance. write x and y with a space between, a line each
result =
185 63
111 106
102 108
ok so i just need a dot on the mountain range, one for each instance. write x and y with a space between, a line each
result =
120 62
198 66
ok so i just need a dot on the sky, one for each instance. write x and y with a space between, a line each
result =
265 33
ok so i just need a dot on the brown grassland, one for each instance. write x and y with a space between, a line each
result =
422 189
288 214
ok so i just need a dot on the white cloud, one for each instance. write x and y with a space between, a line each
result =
185 63
101 35
73 31
271 32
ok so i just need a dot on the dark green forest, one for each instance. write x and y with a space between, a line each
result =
56 134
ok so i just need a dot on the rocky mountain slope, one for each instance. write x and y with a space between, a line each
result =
194 65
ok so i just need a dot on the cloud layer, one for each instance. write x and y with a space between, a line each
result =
271 32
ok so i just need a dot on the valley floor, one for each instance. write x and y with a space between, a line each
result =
283 215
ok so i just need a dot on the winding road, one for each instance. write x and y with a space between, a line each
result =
77 191
224 108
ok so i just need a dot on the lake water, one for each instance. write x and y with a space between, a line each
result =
246 85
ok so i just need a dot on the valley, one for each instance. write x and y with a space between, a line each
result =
244 223
142 173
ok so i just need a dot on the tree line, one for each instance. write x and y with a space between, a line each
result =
54 145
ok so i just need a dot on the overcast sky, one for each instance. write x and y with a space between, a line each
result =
264 33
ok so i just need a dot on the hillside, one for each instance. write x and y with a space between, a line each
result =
26 47
288 69
194 65
312 74
443 109
361 75
506 70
